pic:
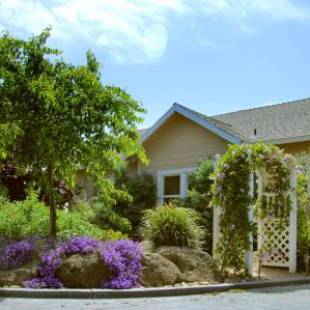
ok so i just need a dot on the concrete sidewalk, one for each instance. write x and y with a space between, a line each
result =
276 298
148 292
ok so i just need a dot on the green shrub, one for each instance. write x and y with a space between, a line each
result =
23 219
106 217
172 226
199 197
142 190
303 221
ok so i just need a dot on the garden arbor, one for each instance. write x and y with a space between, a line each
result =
255 184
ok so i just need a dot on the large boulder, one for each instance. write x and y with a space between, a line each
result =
15 277
194 265
147 246
83 271
158 271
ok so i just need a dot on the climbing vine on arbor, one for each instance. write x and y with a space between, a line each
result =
231 191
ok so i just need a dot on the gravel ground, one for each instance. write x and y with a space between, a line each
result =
284 298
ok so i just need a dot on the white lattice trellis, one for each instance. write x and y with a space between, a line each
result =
275 242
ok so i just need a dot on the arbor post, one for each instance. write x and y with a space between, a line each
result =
293 223
216 228
249 254
259 220
216 217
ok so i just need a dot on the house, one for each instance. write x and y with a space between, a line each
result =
182 138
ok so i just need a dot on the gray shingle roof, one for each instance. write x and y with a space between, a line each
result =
280 121
223 125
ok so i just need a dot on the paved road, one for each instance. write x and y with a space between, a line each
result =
286 298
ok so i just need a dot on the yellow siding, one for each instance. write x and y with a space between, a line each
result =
180 143
297 147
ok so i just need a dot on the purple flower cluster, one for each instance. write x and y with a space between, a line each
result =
81 245
50 261
123 258
16 254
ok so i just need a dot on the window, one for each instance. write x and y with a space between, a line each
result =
172 184
172 187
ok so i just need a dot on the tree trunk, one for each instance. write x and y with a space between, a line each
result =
53 216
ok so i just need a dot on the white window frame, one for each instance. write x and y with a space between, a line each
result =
183 173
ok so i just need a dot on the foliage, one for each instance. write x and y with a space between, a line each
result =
199 198
172 226
231 192
102 215
106 218
24 219
64 116
9 132
142 191
303 159
121 257
16 254
303 221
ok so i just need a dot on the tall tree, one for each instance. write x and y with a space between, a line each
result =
64 117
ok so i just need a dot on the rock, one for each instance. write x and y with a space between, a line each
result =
83 271
147 246
15 277
194 265
158 271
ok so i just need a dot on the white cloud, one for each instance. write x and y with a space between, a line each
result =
134 31
131 31
279 9
244 12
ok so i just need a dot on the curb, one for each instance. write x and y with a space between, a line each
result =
144 292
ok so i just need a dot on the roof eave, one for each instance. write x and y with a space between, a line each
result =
289 140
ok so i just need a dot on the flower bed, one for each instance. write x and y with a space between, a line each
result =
121 257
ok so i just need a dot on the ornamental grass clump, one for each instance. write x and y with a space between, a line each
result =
172 226
122 257
16 254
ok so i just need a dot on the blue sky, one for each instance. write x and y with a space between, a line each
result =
214 56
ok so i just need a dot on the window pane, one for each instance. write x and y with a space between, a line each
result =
172 185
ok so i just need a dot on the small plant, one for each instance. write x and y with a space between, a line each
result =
172 226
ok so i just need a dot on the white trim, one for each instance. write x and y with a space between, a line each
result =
293 223
182 172
249 253
176 171
176 108
216 229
